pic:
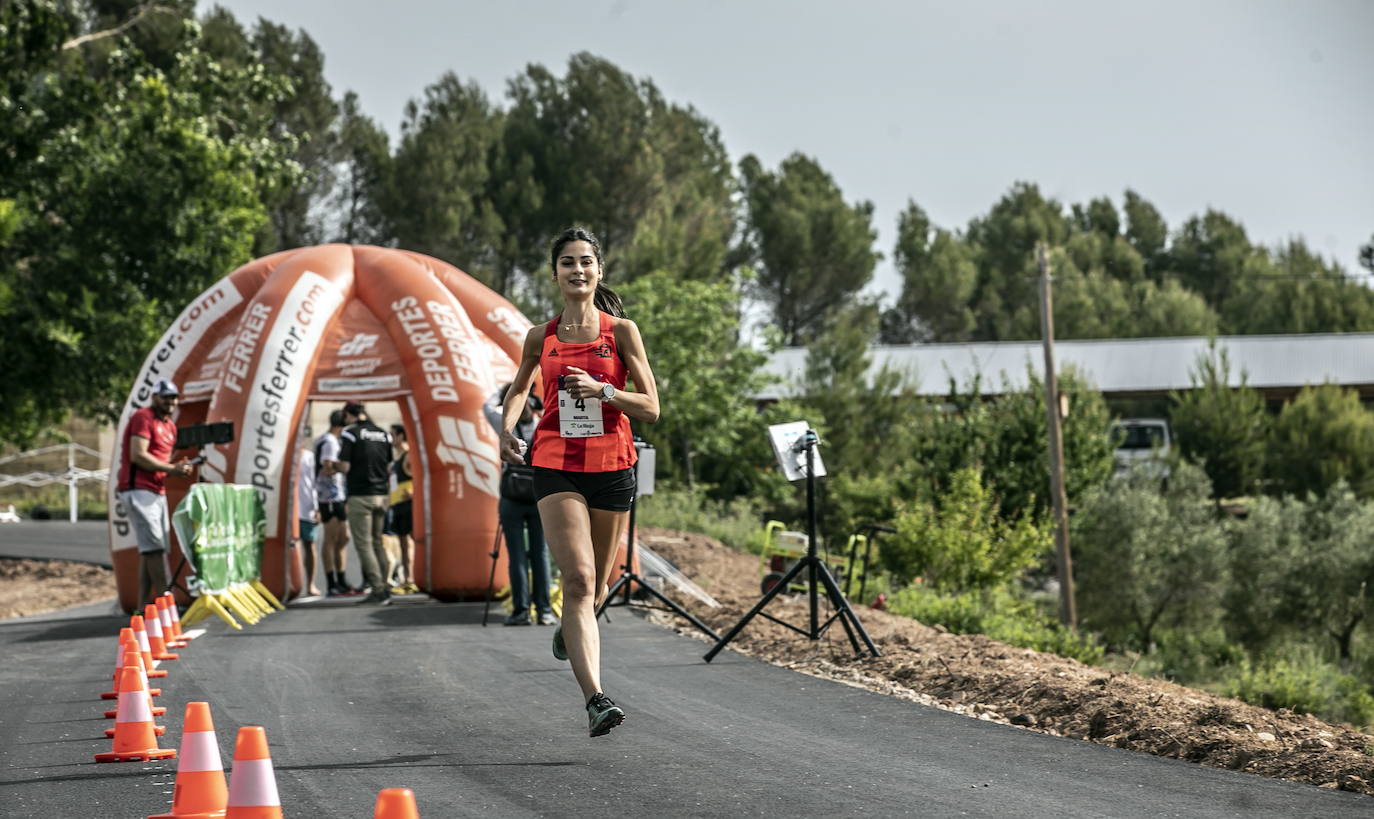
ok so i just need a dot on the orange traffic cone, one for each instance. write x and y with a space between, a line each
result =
131 658
127 643
141 634
134 736
396 803
157 645
148 670
176 617
164 618
200 791
145 652
252 784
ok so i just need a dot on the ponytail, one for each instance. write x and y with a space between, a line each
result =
608 301
605 299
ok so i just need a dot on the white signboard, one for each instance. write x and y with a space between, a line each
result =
787 439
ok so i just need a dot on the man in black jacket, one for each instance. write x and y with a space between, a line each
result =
365 460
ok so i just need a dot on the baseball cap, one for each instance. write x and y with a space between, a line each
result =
354 408
165 387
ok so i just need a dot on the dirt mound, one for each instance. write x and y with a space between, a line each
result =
973 675
35 586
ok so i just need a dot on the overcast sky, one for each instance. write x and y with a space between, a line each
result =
1261 109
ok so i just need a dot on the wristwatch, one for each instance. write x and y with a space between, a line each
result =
607 392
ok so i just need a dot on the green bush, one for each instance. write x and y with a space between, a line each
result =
998 614
1220 426
1320 438
1303 569
1149 556
1190 657
736 523
960 543
1300 680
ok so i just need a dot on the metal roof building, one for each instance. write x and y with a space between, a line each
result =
1278 366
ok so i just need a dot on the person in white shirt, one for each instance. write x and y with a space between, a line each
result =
329 488
307 508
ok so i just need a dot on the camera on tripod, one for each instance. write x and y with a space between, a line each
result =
203 435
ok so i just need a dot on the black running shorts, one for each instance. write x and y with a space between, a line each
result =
402 520
335 510
611 491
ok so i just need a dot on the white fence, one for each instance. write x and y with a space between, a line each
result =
71 476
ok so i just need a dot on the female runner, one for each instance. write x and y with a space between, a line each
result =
583 453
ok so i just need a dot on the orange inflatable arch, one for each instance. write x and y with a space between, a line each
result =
332 323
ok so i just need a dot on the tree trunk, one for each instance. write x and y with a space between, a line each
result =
687 462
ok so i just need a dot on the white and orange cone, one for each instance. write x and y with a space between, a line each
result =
145 653
127 643
131 658
176 618
148 671
156 644
134 735
252 783
141 634
164 618
396 803
200 791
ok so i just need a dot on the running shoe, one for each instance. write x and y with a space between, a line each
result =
560 650
602 715
546 618
519 618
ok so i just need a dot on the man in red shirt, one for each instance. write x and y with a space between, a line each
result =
148 442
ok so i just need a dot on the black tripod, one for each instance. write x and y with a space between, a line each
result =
491 581
628 576
817 572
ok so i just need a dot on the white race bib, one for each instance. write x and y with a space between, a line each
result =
579 417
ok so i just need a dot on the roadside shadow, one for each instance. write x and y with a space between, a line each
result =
82 628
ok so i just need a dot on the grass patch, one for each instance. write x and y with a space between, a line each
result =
998 614
736 523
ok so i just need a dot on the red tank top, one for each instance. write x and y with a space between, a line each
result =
586 435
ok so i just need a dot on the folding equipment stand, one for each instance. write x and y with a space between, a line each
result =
817 572
628 574
199 436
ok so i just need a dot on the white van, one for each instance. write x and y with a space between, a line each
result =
1138 440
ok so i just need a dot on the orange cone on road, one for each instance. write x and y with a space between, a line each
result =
148 670
145 654
164 617
396 803
141 634
200 791
128 643
131 658
252 783
176 617
134 735
156 644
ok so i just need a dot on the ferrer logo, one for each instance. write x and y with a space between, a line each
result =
271 396
461 446
359 344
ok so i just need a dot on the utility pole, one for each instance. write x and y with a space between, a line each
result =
1068 609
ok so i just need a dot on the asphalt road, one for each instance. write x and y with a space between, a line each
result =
485 722
86 540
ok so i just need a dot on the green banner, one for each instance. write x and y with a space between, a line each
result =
224 525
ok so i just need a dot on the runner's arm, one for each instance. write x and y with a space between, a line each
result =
642 405
518 393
